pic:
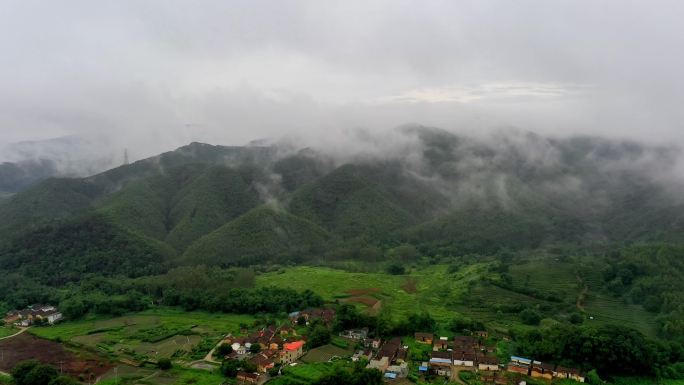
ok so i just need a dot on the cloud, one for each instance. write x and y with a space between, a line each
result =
489 91
154 75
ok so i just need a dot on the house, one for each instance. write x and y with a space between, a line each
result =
276 343
262 362
325 315
291 352
482 334
464 360
466 343
362 354
286 330
542 370
519 365
423 368
355 334
390 349
380 364
490 363
571 373
440 363
374 343
239 348
35 313
441 344
399 371
11 317
424 338
247 378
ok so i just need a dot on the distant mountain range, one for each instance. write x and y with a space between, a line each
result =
439 192
23 164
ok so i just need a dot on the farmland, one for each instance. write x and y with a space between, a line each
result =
325 353
26 346
148 335
432 289
467 292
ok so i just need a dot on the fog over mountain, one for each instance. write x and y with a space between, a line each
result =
153 76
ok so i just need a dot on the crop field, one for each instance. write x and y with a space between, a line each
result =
176 376
26 346
430 288
151 334
608 310
325 353
305 373
201 322
549 276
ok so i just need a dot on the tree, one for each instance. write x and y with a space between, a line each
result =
21 370
229 368
530 317
396 268
224 350
63 380
164 364
593 378
41 375
576 318
319 336
255 348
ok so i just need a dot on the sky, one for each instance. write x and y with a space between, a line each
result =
152 75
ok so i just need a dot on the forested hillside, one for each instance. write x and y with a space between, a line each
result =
439 192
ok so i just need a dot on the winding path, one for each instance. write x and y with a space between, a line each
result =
15 334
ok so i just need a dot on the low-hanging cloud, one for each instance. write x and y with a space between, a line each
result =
154 75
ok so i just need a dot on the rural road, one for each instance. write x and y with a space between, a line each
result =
15 334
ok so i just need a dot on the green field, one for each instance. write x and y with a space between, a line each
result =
306 373
430 288
7 331
444 295
175 376
171 318
152 334
325 353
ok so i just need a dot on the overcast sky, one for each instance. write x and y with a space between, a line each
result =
153 75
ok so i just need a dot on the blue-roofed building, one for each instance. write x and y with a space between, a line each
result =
390 375
521 360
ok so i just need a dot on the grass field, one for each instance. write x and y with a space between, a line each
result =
171 318
176 376
430 288
325 353
444 295
306 373
7 331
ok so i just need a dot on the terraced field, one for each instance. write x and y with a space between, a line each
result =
607 310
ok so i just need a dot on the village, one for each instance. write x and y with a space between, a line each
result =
261 354
274 347
34 315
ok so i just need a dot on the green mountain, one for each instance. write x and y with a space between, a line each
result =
439 192
264 234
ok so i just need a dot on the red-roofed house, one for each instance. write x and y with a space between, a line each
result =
247 378
291 352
